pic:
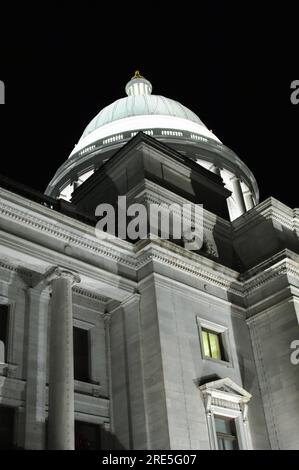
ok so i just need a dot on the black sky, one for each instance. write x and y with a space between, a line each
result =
230 63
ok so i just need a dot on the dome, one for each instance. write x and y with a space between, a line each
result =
138 111
140 105
165 120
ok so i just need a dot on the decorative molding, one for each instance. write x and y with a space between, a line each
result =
54 229
219 279
18 270
91 295
225 403
270 209
285 267
224 393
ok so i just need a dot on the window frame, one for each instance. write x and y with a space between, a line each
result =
230 414
225 398
93 387
5 338
86 327
225 436
224 337
220 343
14 410
9 364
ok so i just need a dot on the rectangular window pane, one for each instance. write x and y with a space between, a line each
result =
226 433
3 332
221 445
81 354
87 436
3 322
223 425
7 414
229 444
205 342
212 344
215 346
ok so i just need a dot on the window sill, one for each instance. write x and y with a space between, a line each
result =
218 361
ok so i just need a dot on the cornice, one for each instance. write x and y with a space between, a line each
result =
282 269
91 295
270 209
191 263
284 263
225 278
16 269
70 236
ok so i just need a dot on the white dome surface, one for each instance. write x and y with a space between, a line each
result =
141 110
140 105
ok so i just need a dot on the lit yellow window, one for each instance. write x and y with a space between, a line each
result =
212 346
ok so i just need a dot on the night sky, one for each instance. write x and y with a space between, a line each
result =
230 64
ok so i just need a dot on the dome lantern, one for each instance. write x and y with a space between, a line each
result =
138 85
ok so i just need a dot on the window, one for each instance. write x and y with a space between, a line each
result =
3 332
87 436
226 405
212 344
81 355
7 416
214 341
226 433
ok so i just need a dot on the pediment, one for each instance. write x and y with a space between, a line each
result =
225 386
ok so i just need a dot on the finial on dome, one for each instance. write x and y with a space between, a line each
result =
138 85
137 74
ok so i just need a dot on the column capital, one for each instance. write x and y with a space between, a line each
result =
106 317
59 272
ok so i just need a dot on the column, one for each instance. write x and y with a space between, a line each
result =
35 406
61 380
248 200
238 194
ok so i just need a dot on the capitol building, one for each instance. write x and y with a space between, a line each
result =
109 343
